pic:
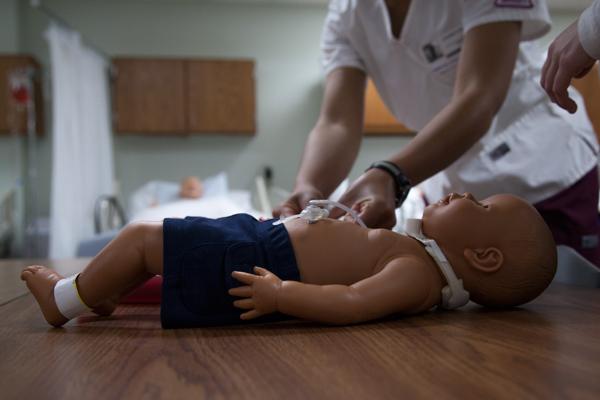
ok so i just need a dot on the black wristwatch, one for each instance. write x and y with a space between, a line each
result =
401 182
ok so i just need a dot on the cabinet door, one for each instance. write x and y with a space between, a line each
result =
13 117
221 96
379 121
149 96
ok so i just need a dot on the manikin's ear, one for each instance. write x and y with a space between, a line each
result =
489 259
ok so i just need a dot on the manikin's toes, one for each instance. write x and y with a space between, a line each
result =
41 281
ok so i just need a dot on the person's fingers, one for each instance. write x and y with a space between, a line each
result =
562 80
250 315
285 210
337 212
241 291
549 81
261 271
379 218
245 304
295 203
244 277
544 74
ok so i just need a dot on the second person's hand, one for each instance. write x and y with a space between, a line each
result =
566 60
372 196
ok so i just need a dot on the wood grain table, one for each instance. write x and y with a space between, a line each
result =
548 349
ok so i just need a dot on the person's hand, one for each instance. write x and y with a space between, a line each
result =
297 202
373 197
260 292
566 60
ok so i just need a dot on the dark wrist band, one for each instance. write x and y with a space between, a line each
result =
401 182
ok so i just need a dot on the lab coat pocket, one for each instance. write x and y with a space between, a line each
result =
442 55
579 122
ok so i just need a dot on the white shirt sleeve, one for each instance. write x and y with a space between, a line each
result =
336 49
533 14
588 29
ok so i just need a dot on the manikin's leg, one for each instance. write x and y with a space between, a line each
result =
135 255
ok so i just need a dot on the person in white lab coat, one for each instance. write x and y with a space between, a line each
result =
571 55
458 73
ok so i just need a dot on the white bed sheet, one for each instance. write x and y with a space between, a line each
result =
217 206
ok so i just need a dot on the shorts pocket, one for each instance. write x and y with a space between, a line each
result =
206 275
240 257
201 285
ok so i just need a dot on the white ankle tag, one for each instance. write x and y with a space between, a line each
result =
67 298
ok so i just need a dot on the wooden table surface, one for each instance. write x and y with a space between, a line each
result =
547 349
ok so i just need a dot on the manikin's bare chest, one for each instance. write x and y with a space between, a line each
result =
336 252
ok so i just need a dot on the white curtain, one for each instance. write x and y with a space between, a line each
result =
82 158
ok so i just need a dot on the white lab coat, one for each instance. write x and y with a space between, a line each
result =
533 149
588 30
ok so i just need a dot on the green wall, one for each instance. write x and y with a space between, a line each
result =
9 31
284 41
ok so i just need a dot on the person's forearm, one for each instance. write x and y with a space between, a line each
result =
447 136
328 156
332 304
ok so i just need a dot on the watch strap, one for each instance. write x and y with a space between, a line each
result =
402 184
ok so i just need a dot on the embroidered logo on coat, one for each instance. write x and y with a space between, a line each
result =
500 151
514 3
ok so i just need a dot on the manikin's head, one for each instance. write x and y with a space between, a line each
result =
500 247
191 188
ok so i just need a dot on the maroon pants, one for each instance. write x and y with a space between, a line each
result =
572 216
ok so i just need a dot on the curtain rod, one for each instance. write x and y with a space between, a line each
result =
37 4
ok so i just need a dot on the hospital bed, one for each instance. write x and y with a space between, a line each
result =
157 200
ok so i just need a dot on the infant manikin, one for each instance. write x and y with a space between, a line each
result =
497 252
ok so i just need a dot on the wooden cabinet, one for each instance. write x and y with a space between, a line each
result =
11 116
221 96
149 96
180 96
379 121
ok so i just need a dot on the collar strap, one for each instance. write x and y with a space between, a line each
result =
453 295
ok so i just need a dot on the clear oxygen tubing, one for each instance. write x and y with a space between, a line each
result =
319 209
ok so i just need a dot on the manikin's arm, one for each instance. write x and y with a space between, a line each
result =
401 286
333 143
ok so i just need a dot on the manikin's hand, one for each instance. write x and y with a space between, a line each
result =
372 196
297 202
566 60
260 292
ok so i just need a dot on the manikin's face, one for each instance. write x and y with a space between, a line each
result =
191 188
461 220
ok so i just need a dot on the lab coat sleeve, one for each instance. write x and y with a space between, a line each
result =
533 14
336 49
588 29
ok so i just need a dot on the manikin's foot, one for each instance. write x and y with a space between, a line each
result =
41 281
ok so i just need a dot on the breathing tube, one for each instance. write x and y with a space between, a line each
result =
319 209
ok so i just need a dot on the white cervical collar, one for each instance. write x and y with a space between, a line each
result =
317 210
453 295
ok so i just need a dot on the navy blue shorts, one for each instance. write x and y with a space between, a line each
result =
199 256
